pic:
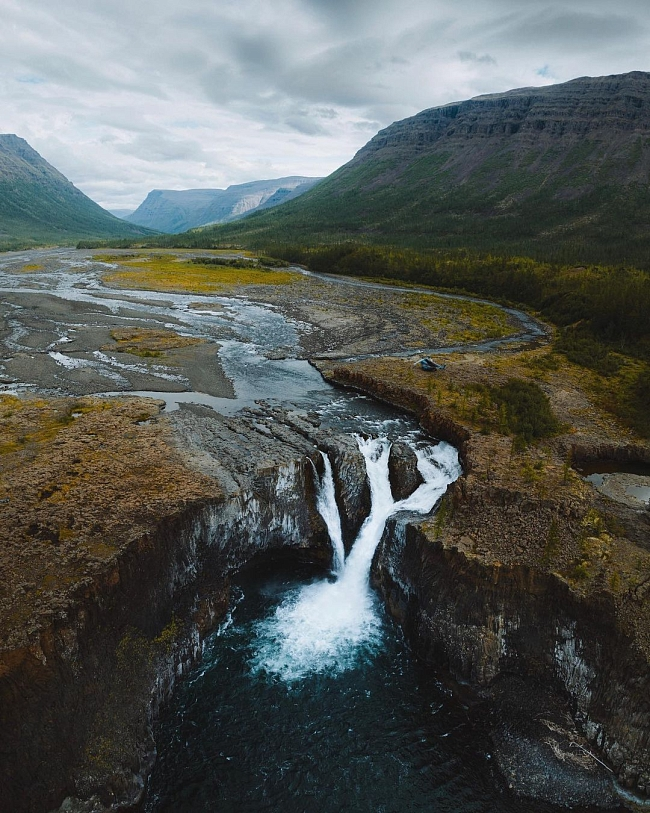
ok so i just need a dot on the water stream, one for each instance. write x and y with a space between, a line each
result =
327 626
298 704
307 698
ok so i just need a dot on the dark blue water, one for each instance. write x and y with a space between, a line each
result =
386 736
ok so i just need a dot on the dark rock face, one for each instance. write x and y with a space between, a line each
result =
403 471
485 621
65 700
351 485
77 702
589 106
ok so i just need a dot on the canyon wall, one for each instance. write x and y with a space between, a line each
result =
77 702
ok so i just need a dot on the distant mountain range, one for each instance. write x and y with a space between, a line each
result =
558 172
121 213
38 204
173 211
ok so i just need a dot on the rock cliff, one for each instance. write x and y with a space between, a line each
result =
173 211
527 585
123 581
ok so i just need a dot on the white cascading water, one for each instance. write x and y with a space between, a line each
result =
329 511
328 626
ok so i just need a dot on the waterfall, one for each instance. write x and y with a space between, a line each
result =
330 626
328 509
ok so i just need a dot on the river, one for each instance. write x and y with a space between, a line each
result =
307 698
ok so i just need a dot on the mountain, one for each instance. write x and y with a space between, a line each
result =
177 211
38 204
122 214
557 172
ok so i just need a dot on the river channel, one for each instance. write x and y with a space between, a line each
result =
307 699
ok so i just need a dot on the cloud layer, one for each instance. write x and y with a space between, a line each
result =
125 97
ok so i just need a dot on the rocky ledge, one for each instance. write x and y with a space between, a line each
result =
125 526
527 582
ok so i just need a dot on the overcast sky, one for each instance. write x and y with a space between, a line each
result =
124 96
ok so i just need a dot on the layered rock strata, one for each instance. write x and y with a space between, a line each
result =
514 579
130 578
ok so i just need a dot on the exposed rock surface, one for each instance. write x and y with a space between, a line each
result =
403 471
533 576
124 568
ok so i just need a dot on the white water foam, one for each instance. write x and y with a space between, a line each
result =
329 511
332 626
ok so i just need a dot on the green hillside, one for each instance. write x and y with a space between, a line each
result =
39 205
557 173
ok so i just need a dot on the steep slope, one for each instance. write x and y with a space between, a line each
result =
38 204
122 214
557 171
176 211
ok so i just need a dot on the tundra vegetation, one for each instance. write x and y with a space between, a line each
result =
601 313
167 272
520 414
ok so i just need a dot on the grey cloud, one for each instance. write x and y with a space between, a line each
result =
155 148
576 28
215 91
470 56
343 13
350 75
305 124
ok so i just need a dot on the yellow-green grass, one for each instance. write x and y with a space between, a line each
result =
148 341
462 321
25 422
169 272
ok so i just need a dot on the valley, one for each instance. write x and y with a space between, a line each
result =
255 555
131 517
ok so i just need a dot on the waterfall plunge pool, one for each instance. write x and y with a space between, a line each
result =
386 735
308 699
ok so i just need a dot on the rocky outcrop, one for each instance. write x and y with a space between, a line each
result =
410 400
487 621
403 471
351 485
587 108
78 696
517 580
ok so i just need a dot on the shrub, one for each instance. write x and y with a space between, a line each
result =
525 410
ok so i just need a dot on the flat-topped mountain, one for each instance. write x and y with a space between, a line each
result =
177 211
38 204
560 171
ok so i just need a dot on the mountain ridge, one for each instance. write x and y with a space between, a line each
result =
39 204
175 211
561 171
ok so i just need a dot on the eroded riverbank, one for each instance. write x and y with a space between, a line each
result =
528 570
98 495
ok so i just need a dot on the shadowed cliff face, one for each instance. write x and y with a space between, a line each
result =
81 684
486 622
534 589
588 107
